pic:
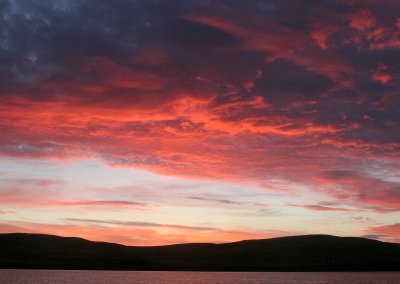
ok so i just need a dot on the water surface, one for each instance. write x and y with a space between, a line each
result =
171 277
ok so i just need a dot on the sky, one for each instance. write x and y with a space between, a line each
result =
158 122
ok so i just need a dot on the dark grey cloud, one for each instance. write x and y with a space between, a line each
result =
142 224
283 83
340 174
215 200
373 236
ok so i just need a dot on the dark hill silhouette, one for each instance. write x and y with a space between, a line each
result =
296 253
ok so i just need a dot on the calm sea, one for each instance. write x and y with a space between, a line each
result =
111 277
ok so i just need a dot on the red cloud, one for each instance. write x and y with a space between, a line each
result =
362 20
381 75
384 38
321 37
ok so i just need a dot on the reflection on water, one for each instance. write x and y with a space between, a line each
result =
158 277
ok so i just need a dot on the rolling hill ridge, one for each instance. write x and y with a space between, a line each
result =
294 253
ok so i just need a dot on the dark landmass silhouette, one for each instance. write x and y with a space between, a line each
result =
295 253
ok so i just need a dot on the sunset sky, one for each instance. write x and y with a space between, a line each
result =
157 122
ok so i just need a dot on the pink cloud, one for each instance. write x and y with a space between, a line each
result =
31 193
99 203
323 208
6 212
356 189
387 231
